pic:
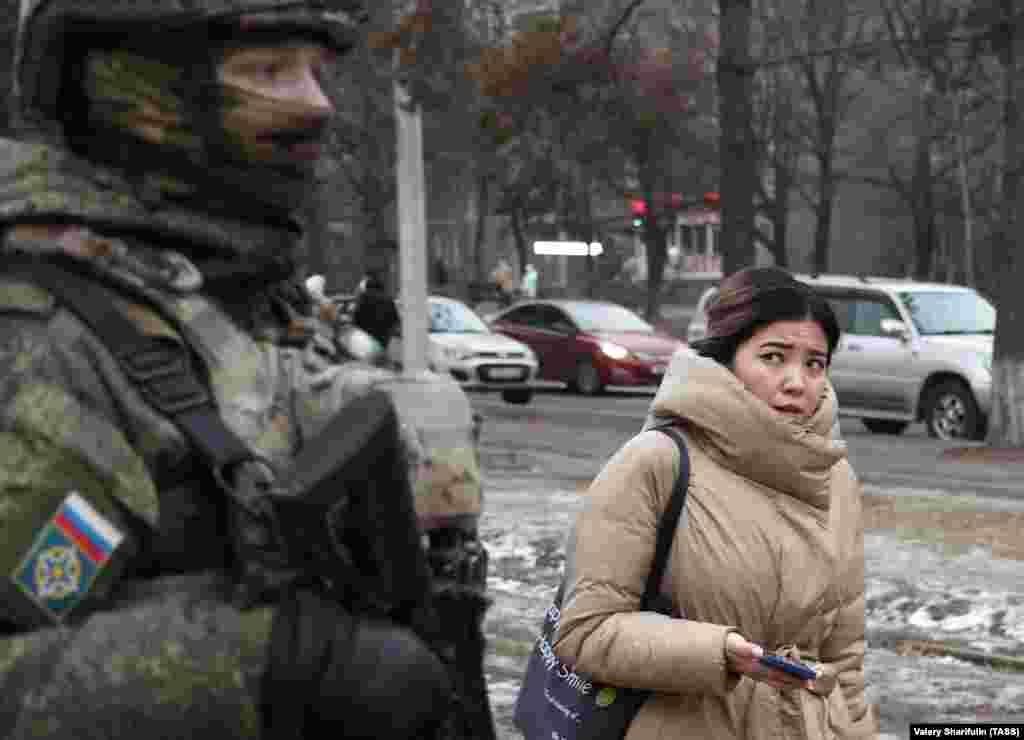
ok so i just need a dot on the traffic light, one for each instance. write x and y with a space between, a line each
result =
712 200
638 207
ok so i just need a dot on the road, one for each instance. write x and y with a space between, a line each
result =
910 461
537 459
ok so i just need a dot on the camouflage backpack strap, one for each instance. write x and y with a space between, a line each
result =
161 369
164 372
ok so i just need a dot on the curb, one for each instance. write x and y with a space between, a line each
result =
983 454
931 648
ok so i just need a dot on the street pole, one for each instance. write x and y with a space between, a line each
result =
412 230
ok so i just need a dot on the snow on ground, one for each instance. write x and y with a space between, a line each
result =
917 589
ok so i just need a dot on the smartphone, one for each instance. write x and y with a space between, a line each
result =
789 666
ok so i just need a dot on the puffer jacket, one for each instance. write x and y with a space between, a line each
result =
770 545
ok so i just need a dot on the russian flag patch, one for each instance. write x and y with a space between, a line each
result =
66 556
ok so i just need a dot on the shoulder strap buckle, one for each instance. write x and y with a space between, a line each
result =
161 369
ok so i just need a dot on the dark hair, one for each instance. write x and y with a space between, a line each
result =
754 297
375 281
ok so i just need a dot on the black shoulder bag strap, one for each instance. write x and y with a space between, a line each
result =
653 598
160 368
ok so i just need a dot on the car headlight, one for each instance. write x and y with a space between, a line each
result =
615 351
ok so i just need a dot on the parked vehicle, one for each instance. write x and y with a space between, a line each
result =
589 344
460 343
909 351
698 326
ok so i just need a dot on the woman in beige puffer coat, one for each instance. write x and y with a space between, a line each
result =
768 555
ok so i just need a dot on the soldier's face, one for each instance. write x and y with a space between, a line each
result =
276 110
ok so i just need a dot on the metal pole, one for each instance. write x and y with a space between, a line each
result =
412 230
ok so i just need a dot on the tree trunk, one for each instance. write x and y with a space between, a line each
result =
586 203
657 252
480 227
516 221
966 207
1006 425
738 151
923 188
823 213
780 214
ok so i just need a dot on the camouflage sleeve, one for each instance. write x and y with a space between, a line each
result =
174 660
438 419
63 464
436 428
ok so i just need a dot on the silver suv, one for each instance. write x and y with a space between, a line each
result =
909 351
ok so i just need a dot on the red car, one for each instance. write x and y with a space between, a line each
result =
589 344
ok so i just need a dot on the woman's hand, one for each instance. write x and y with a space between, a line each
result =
745 658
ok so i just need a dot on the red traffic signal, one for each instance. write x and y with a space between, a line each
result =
712 199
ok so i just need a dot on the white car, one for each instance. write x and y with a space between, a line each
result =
909 351
461 344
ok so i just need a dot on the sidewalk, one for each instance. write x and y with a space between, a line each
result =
941 612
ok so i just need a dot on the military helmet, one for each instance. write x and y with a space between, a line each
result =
44 25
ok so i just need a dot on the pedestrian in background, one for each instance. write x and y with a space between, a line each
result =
376 310
440 273
504 282
529 284
768 556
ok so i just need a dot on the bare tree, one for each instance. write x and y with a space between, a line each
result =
777 135
738 150
608 100
1005 21
828 69
922 32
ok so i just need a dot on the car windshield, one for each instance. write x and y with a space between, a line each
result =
450 317
607 317
949 312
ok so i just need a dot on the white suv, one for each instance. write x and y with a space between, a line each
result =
909 351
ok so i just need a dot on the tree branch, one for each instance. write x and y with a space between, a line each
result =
619 23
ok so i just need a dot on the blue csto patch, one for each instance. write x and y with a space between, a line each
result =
68 553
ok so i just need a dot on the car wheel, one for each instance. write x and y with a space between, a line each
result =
950 412
885 426
517 395
588 379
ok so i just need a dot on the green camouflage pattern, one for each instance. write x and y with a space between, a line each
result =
71 420
173 661
137 94
273 393
39 50
137 99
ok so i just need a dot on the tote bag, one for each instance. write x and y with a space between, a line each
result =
556 702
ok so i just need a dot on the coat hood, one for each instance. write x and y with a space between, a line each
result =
745 435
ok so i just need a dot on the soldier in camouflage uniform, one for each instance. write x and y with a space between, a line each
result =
167 147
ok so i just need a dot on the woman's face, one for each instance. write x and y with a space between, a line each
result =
785 364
